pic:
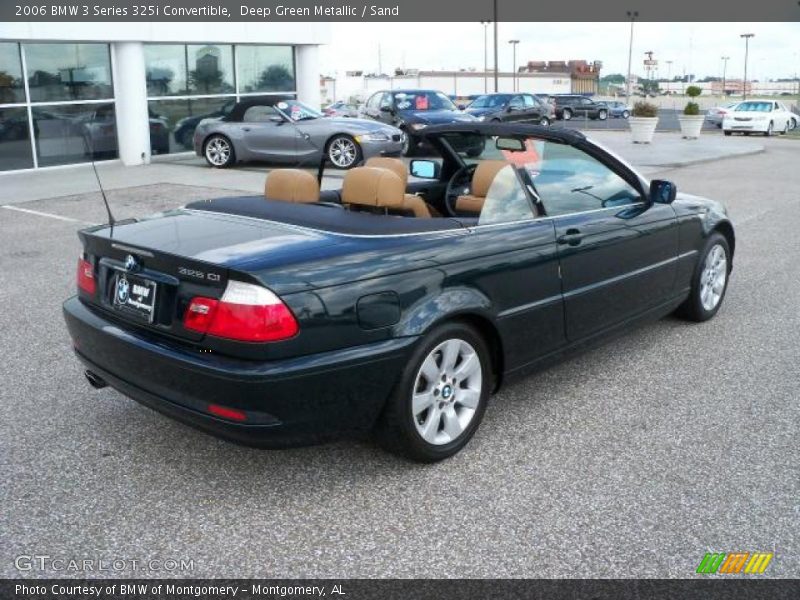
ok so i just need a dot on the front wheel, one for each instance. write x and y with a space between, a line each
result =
544 122
567 114
710 280
343 152
409 145
727 132
625 114
768 132
602 115
441 395
219 152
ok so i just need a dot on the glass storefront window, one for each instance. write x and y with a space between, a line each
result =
12 88
73 133
15 139
59 72
210 69
165 68
180 118
265 69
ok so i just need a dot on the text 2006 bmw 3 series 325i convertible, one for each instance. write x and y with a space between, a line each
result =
397 304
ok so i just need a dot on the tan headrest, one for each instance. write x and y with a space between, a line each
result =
370 186
291 185
484 176
395 165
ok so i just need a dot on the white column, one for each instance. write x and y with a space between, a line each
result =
130 91
307 60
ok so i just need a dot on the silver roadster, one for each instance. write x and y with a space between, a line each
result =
284 130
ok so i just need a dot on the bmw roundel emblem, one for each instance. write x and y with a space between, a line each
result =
131 264
123 289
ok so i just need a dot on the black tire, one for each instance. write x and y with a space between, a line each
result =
768 132
396 430
693 309
727 132
625 114
544 122
602 115
224 161
566 114
409 144
335 155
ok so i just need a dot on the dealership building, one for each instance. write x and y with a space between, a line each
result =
70 92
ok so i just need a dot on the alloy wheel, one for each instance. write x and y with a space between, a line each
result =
567 114
544 121
602 115
625 114
713 277
447 391
342 152
218 151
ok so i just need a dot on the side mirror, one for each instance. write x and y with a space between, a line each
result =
425 169
662 191
386 108
276 119
511 108
461 106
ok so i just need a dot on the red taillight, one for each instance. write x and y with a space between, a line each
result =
86 280
246 312
227 413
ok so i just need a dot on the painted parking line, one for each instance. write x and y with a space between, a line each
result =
44 214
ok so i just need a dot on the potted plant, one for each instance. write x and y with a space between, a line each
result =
643 121
691 120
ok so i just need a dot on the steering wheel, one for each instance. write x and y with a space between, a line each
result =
458 185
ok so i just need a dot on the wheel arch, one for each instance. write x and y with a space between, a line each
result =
726 229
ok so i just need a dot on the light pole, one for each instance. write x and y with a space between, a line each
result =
495 45
669 75
746 37
514 63
485 55
725 60
632 14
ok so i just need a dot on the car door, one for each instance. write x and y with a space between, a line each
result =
585 107
266 135
533 110
515 111
617 251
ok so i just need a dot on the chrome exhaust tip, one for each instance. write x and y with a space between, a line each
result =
95 380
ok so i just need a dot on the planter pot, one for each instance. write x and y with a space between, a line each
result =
642 129
691 126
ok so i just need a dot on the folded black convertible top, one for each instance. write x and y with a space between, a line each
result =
326 217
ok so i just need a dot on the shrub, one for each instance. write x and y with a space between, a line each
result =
644 109
692 108
693 91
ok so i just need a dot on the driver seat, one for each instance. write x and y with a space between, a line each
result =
411 202
292 185
482 180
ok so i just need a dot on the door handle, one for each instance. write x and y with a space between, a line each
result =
245 129
572 237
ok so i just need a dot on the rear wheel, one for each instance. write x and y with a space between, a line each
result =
219 152
343 152
727 132
602 115
710 280
409 145
625 114
544 122
785 128
441 396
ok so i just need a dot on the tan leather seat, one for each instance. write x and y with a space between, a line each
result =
374 188
291 185
411 202
482 180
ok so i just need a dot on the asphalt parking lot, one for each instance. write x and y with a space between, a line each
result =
667 121
631 460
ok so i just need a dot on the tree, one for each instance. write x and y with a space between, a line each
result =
275 78
617 78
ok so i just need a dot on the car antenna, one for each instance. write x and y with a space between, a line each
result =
111 220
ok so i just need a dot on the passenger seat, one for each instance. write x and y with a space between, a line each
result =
411 202
291 185
373 188
482 180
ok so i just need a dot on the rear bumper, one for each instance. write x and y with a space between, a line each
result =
287 402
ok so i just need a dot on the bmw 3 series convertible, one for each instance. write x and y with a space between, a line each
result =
398 304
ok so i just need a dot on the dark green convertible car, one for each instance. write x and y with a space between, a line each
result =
398 303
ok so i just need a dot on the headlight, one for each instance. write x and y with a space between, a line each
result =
418 126
376 136
481 118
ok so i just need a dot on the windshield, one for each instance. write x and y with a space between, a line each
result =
754 107
297 111
491 101
422 101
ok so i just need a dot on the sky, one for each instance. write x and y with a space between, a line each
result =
695 47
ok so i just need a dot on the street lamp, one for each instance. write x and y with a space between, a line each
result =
632 14
514 65
485 55
725 60
494 38
746 37
669 75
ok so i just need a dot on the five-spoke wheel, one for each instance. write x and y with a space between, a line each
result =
219 151
710 280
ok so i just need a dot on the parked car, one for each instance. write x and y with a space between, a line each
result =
99 132
618 110
302 315
184 128
341 109
715 115
524 108
414 110
286 130
569 106
759 116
